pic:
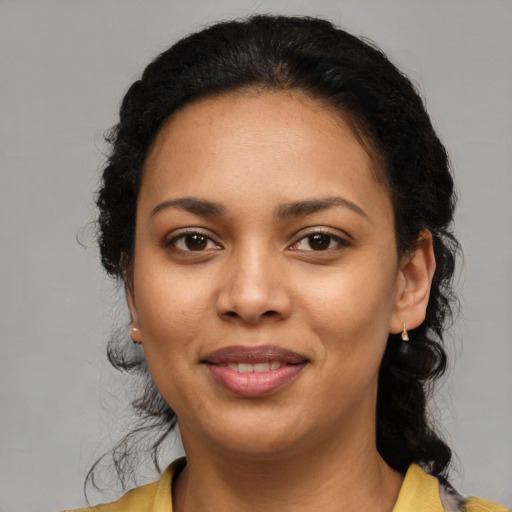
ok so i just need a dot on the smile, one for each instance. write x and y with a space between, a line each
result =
253 368
254 371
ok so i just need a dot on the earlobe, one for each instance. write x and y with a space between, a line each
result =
136 336
130 299
413 285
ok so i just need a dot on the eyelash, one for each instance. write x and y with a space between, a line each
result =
331 237
338 240
171 244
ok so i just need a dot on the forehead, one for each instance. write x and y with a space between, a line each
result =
267 116
284 142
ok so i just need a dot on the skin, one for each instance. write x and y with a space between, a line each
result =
256 280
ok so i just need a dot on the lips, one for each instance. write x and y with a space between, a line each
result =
254 371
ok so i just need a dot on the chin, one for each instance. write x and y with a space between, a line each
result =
251 436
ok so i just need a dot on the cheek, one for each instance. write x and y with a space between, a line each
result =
170 309
170 315
350 309
348 295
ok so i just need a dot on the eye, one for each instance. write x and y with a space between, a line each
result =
192 241
319 241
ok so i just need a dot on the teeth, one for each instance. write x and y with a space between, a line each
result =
245 368
256 368
262 367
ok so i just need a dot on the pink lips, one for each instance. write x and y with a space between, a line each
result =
254 371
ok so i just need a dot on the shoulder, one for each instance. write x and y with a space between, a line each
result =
473 504
147 498
422 492
139 499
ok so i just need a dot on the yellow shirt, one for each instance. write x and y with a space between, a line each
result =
419 493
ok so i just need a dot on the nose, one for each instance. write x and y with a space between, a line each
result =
253 288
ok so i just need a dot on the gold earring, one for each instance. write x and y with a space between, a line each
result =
405 334
135 330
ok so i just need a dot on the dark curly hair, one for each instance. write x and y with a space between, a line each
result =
355 79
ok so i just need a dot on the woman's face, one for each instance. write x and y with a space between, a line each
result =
265 280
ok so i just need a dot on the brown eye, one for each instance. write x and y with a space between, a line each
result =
319 241
195 242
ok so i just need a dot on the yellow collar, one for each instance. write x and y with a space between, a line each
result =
419 492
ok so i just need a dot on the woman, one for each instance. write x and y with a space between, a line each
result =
279 209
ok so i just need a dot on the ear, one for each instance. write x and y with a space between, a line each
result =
130 299
413 285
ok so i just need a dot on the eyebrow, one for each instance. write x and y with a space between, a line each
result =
309 206
284 211
192 205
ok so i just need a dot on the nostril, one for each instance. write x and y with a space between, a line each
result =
266 314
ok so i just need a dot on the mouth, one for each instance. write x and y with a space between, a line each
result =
254 371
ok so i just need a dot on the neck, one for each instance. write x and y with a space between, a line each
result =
333 477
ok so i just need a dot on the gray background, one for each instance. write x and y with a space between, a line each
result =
64 67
